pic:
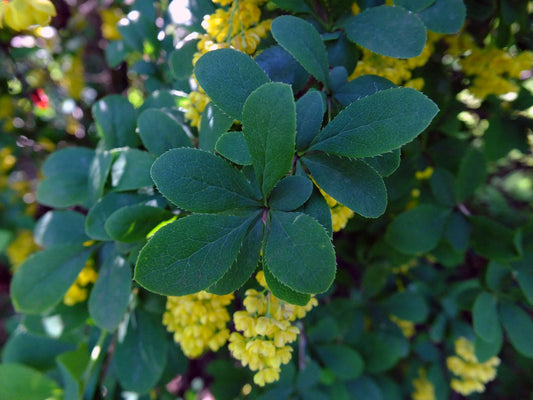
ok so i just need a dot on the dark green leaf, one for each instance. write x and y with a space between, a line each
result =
98 173
376 124
190 254
485 318
199 181
364 388
310 110
232 145
111 292
524 276
458 231
180 60
141 355
472 174
417 230
213 124
360 87
60 227
116 121
283 292
444 16
290 193
131 170
381 351
309 376
228 77
132 223
408 306
343 361
443 187
280 66
296 6
351 182
414 5
44 278
298 240
245 264
389 31
72 364
318 208
269 126
485 350
493 240
385 164
518 325
115 53
304 43
342 52
19 382
160 131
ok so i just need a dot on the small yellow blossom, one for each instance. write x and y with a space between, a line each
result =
340 214
424 389
407 327
110 18
471 374
424 174
21 14
198 321
21 248
78 292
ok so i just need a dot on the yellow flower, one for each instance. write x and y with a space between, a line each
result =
110 18
21 248
471 374
424 389
21 14
78 292
407 327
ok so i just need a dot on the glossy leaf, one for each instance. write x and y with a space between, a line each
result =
385 164
290 193
116 121
269 126
414 5
199 181
213 124
389 31
283 292
518 325
131 170
376 124
98 174
60 227
310 110
485 317
72 365
524 276
297 240
190 254
360 87
444 16
351 182
318 208
180 60
484 350
160 131
232 146
22 383
228 77
280 66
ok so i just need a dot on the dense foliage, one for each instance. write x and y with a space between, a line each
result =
268 200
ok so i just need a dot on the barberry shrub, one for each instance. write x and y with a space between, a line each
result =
273 209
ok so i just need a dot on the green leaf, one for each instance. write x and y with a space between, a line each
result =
290 193
115 53
458 231
444 16
318 208
360 87
98 173
116 121
228 77
486 350
199 181
280 66
443 187
472 174
296 6
385 164
309 376
232 145
304 43
342 360
376 124
160 131
283 292
389 31
408 306
5 239
213 124
417 230
111 292
414 5
66 180
351 182
141 355
72 364
60 227
180 60
131 170
485 317
493 240
19 382
190 254
132 223
298 240
245 264
310 109
44 278
364 388
102 210
518 325
269 126
524 276
382 351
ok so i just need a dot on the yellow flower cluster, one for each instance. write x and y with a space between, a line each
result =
21 14
424 389
340 214
471 374
492 71
78 292
198 321
424 174
239 27
110 18
21 248
407 327
264 332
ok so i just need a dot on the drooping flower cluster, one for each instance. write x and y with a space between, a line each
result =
198 321
79 292
265 332
424 389
491 70
21 14
471 374
340 214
